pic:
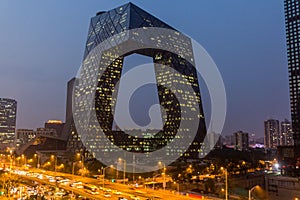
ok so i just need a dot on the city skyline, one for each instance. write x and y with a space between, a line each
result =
38 73
134 106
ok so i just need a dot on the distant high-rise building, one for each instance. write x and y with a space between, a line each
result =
241 141
252 139
292 25
56 125
214 141
228 140
23 136
127 17
8 111
286 133
272 133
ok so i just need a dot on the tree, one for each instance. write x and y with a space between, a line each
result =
8 181
83 172
210 185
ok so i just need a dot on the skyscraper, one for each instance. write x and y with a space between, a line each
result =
128 17
8 110
292 25
241 141
286 133
69 133
70 88
272 133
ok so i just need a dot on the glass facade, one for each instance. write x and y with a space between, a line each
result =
292 24
8 110
69 132
129 17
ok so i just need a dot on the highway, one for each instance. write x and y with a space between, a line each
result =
110 190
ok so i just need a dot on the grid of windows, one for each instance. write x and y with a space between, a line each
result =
107 24
286 137
272 135
292 22
8 109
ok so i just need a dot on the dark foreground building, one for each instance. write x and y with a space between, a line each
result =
128 17
42 143
292 24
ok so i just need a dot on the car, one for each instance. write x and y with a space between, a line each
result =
81 197
59 194
64 181
153 198
107 195
52 180
92 192
40 176
135 198
117 192
79 186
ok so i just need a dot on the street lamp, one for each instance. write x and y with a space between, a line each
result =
38 160
24 158
226 182
10 162
81 158
11 158
164 174
124 174
177 186
103 171
73 168
18 161
253 188
55 162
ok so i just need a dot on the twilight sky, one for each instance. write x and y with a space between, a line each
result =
42 45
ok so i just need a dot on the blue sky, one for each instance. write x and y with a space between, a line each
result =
42 45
